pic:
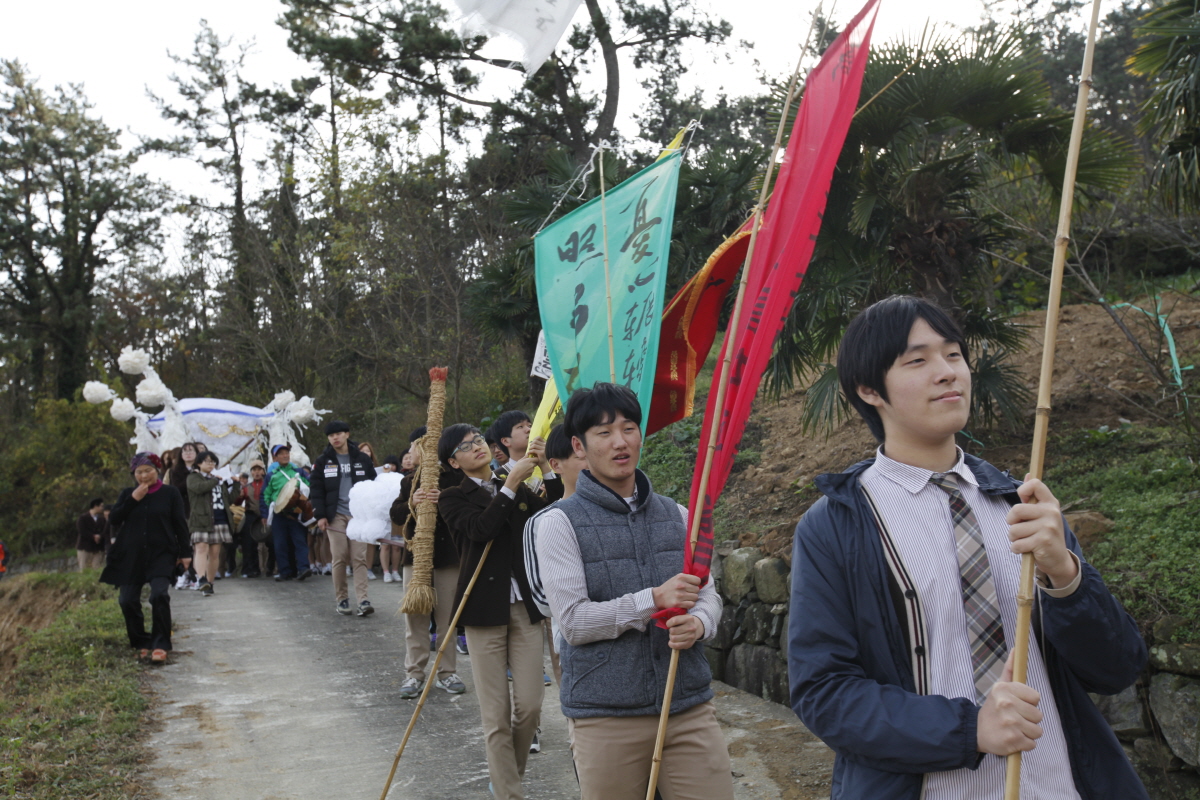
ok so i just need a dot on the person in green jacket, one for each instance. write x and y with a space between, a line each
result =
291 537
209 518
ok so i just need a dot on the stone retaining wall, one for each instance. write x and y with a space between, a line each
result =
1157 720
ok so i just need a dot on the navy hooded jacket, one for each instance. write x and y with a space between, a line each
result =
851 674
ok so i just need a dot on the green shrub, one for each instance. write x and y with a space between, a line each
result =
71 713
1143 482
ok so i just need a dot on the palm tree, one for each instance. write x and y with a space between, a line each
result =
1171 55
905 213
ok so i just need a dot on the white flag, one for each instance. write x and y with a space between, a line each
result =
541 360
536 24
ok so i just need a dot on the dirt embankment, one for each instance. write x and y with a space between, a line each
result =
27 604
1099 379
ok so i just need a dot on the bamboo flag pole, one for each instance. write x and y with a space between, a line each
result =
612 358
447 637
722 389
1041 426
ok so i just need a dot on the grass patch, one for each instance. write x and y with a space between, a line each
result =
71 712
1141 480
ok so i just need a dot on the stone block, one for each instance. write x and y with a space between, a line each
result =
725 629
772 580
1179 658
775 682
1125 713
757 623
716 662
1153 756
748 666
1175 701
725 548
777 633
1089 527
737 578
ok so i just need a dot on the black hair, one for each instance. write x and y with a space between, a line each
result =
502 427
98 501
393 460
417 433
207 455
489 436
450 439
600 405
558 444
876 338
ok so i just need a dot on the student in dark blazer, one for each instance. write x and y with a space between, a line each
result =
503 625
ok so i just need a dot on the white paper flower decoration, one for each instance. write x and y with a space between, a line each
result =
133 362
283 400
303 412
97 392
123 409
153 392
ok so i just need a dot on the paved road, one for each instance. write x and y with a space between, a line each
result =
272 695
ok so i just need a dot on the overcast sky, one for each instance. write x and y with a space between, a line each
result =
118 50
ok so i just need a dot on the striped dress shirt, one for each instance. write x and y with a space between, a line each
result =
917 516
552 558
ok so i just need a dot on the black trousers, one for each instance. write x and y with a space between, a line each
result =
249 552
130 600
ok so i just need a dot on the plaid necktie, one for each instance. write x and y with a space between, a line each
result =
984 626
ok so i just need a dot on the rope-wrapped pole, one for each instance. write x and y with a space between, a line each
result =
419 597
446 639
1041 425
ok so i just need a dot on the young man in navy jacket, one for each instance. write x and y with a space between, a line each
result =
904 580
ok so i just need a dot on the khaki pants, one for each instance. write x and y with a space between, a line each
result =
89 560
416 626
346 552
508 727
613 755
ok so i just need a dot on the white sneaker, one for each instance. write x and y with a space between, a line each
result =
182 582
328 570
387 577
370 575
396 577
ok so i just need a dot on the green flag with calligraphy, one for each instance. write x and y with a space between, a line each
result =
572 292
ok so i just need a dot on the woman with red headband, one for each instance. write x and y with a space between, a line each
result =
153 539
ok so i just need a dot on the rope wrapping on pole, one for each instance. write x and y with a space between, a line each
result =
419 596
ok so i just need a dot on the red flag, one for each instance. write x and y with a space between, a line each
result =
782 252
688 328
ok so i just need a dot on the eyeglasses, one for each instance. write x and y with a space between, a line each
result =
478 441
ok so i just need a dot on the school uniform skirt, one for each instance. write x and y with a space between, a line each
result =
220 534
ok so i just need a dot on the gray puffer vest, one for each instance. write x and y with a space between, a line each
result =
625 552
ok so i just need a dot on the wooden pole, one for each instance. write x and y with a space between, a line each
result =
447 636
1041 426
722 389
612 357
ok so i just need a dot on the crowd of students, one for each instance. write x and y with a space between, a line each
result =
900 623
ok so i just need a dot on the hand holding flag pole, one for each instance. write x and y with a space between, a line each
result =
1041 425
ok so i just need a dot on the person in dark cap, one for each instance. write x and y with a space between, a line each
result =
153 539
333 473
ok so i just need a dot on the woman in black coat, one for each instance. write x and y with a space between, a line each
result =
153 539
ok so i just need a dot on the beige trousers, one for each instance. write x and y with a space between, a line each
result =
90 560
416 626
613 755
345 551
508 726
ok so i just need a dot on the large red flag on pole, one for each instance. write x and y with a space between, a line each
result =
781 256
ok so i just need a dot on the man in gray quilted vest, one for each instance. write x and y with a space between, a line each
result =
610 556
